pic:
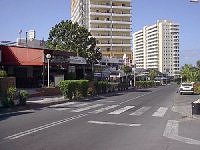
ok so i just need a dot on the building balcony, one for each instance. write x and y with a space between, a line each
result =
99 14
121 30
122 45
109 29
121 15
122 22
100 29
99 6
121 0
122 37
102 36
113 37
100 21
122 7
116 45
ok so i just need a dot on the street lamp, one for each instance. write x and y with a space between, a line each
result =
181 79
134 70
48 56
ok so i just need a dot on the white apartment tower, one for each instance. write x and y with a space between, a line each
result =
157 47
109 21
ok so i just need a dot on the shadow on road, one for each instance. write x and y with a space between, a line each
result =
12 114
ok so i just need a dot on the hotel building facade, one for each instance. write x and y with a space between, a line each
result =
157 47
109 21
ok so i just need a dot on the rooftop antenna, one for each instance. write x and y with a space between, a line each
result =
20 36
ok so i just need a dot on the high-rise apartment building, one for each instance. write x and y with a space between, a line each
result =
109 21
157 47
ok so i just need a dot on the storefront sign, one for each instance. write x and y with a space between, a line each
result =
77 60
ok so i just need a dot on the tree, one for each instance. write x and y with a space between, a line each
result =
198 64
190 73
68 36
152 74
127 69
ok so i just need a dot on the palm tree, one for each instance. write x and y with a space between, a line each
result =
190 73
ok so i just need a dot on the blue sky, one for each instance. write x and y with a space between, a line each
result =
42 15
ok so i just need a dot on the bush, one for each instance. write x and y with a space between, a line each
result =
145 84
23 95
197 88
7 102
74 89
101 87
91 91
123 86
12 93
3 73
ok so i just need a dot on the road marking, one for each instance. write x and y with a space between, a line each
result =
140 111
160 112
113 123
61 109
103 109
107 101
171 131
139 96
62 105
121 110
87 108
80 105
18 135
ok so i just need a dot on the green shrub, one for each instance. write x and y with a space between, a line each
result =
23 95
3 73
145 84
84 84
74 89
197 88
101 87
91 91
7 102
12 93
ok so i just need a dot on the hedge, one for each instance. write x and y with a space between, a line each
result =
74 89
145 84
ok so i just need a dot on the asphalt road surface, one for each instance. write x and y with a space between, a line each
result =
133 120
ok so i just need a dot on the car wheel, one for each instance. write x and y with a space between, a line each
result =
180 93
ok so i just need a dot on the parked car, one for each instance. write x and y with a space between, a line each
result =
186 88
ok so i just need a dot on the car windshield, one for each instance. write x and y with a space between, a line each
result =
187 84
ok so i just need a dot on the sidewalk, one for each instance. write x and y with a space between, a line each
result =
46 100
183 106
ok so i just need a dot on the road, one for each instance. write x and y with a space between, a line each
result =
133 120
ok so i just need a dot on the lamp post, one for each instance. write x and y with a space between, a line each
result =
134 70
48 56
181 79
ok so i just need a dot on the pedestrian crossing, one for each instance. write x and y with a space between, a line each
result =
121 110
131 110
140 111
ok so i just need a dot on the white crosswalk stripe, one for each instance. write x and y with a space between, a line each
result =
87 108
121 110
62 105
103 109
160 112
80 105
61 109
140 111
